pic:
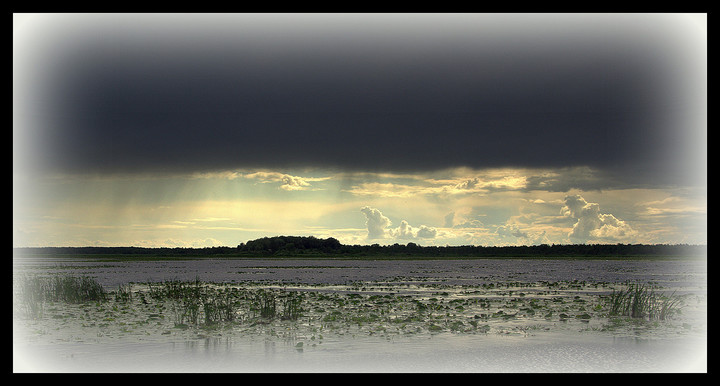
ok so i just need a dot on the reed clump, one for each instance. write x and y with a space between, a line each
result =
35 291
265 304
292 309
195 302
220 308
123 293
641 301
187 312
32 296
70 289
176 290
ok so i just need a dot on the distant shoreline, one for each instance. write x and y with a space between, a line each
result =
311 247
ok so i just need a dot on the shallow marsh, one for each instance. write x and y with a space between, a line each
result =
352 309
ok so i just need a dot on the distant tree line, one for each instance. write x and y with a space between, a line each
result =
302 246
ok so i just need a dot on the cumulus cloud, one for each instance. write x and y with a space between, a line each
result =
593 225
426 232
293 183
288 182
376 222
469 184
489 183
404 231
510 230
377 226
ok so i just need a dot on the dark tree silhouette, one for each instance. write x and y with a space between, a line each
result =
310 246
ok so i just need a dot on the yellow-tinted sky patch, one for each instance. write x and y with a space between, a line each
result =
493 207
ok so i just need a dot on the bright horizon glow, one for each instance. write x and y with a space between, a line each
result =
452 207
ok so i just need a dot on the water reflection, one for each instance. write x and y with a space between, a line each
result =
269 348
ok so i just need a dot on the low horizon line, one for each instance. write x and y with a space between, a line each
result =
384 245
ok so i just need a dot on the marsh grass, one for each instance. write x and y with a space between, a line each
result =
176 290
642 302
123 293
196 303
292 309
364 308
219 308
73 289
32 296
187 312
193 302
35 291
265 304
70 289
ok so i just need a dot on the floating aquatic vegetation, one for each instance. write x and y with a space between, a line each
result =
182 308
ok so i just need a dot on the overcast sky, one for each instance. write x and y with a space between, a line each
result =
462 114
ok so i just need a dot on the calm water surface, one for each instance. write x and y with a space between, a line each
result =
325 271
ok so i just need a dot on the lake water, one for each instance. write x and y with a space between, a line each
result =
527 344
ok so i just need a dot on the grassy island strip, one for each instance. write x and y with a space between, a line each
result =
312 247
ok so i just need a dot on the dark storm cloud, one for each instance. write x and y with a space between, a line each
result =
370 92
